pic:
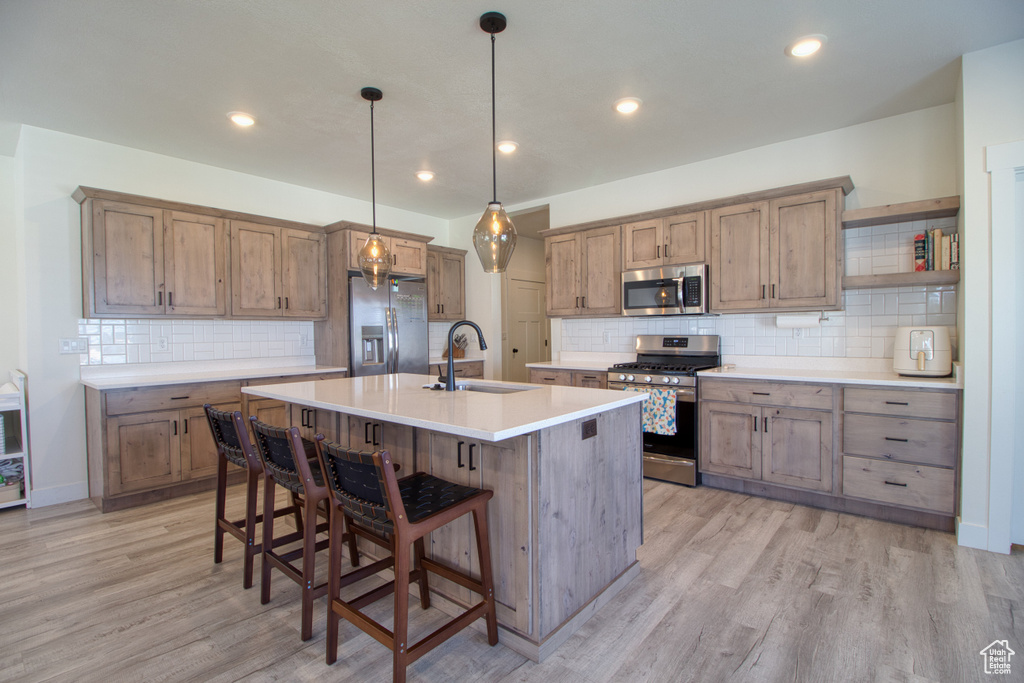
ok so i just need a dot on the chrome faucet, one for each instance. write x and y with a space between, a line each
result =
449 381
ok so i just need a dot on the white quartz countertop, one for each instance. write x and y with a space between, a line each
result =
844 376
402 399
584 365
126 378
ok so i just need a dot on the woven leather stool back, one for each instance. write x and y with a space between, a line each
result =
276 453
357 485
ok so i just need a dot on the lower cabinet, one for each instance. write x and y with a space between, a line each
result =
556 377
470 369
502 468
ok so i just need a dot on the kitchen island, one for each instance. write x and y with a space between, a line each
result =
564 464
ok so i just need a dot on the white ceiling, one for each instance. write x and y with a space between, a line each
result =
161 76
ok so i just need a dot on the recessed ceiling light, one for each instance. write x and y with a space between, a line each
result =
240 118
425 175
507 146
627 105
806 46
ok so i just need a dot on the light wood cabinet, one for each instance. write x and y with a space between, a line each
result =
446 283
781 254
145 261
550 376
373 435
901 447
583 270
473 369
759 435
669 241
408 256
589 379
277 272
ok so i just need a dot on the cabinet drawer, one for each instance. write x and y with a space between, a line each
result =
918 486
768 393
940 405
559 377
898 438
146 399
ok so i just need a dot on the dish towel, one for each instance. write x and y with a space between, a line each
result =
659 409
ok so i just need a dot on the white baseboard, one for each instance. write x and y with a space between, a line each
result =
56 495
971 535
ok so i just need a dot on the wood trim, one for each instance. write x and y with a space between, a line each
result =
446 250
183 488
922 279
362 227
843 183
82 193
943 207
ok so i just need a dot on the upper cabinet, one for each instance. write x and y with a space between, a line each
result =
669 241
446 286
583 270
408 256
781 253
144 257
140 260
277 272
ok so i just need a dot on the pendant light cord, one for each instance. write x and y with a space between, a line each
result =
373 173
494 130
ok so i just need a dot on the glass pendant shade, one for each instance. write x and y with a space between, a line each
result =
375 261
494 238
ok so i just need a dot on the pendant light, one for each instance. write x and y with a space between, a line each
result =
374 257
494 236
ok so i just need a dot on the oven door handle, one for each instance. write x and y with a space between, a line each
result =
683 394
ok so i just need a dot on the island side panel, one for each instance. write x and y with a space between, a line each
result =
590 510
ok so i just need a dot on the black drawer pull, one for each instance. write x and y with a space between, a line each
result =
892 438
897 403
761 393
471 446
185 425
460 453
893 483
765 430
366 431
755 422
178 398
376 441
170 299
175 428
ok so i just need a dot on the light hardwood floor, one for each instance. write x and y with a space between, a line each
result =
731 588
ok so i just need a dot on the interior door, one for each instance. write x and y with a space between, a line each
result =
527 329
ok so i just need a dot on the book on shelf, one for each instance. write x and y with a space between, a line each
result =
919 252
954 251
929 251
936 249
945 253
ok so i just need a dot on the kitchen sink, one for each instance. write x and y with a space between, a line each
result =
482 388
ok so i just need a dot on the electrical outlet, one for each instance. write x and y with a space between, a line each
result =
607 337
798 332
589 429
304 339
161 344
74 345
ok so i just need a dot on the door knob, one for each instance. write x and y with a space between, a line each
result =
515 351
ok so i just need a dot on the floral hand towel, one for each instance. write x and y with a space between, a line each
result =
659 409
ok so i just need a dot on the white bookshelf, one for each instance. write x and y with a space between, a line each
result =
15 428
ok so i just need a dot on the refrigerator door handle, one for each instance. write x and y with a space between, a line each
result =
395 348
389 365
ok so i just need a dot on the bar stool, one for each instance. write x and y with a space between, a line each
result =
395 513
290 461
233 445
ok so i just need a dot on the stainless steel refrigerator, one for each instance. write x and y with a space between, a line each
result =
388 327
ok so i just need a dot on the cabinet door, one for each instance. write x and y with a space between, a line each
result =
127 258
730 439
451 544
434 286
408 257
143 451
591 380
268 410
453 286
561 261
797 448
804 266
198 450
313 421
600 269
739 257
684 238
195 264
643 244
304 273
372 435
255 270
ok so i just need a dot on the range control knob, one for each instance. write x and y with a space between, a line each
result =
666 380
630 378
647 378
675 380
622 377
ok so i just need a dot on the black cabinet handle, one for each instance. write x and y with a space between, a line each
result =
175 428
773 291
459 448
765 429
762 291
159 298
178 398
286 302
896 403
185 426
584 302
577 302
366 432
442 308
376 441
666 251
761 393
893 483
170 299
471 447
892 438
658 253
279 302
755 422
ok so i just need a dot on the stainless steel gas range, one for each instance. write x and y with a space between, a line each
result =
666 365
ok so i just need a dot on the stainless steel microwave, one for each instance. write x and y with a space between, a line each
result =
673 290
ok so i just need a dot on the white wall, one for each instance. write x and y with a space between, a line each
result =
992 102
52 165
12 303
902 158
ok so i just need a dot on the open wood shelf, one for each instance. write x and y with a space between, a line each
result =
915 279
944 207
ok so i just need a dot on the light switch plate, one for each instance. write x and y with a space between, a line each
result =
74 345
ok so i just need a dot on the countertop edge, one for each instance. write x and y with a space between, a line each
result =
952 383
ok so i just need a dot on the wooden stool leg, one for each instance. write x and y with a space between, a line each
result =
308 568
353 549
219 504
252 485
424 588
401 630
483 545
337 548
297 509
268 537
